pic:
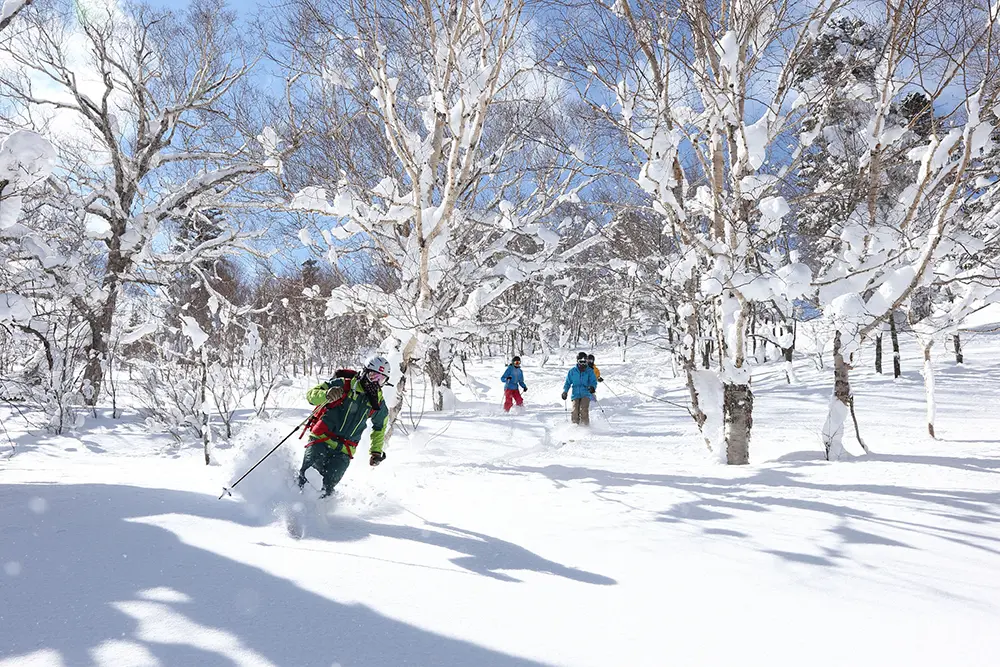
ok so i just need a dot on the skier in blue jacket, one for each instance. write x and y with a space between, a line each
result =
584 383
513 378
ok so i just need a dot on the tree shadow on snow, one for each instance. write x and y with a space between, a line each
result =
975 464
24 431
80 578
719 499
971 463
482 554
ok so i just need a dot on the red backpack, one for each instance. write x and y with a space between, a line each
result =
315 423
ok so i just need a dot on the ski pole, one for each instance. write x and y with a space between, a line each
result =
226 490
613 392
661 400
594 398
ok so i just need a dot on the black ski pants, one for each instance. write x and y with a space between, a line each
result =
329 462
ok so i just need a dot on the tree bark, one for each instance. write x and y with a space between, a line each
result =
696 412
97 348
737 404
929 387
690 358
857 428
959 357
896 372
840 403
787 352
101 320
10 17
878 354
406 360
439 377
205 435
397 406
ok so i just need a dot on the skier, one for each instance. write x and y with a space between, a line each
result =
581 377
513 378
348 399
597 371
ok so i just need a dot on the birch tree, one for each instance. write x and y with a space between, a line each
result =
26 158
887 251
147 111
451 191
704 92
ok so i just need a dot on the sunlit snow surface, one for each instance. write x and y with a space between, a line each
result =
515 540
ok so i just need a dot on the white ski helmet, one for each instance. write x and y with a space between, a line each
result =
379 365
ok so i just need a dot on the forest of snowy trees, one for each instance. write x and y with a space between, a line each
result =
196 206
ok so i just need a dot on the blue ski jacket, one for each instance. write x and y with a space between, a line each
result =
513 377
581 381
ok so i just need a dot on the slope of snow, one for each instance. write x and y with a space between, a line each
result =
987 318
516 540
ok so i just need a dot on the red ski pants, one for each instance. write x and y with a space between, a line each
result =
511 396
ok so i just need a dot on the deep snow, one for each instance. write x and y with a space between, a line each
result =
493 539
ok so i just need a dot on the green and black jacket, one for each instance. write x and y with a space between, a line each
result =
342 422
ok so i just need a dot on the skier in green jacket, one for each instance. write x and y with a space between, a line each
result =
349 399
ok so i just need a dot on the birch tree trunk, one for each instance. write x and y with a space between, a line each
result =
737 404
928 373
402 385
896 372
202 411
439 377
840 404
697 413
787 352
737 397
878 354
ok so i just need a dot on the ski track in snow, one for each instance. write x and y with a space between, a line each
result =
520 540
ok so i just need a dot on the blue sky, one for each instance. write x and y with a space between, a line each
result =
245 7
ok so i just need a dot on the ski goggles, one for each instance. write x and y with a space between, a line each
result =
378 378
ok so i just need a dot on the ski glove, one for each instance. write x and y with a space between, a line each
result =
334 394
593 390
600 379
377 457
524 389
564 395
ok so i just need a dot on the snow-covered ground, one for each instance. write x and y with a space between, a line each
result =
502 540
